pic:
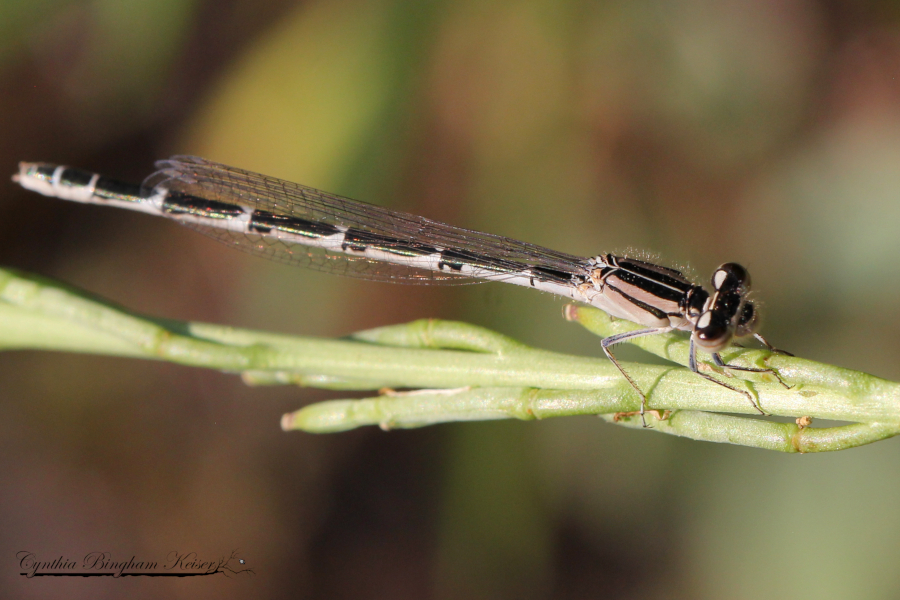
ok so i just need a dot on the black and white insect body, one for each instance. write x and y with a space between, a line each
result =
300 225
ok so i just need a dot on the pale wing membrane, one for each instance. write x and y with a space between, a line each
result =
213 181
327 261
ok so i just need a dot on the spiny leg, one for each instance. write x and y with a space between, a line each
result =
622 337
692 363
721 363
769 346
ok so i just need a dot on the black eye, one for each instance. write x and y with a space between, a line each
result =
713 332
731 275
748 314
748 321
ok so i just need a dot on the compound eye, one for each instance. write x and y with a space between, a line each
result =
712 333
731 275
748 321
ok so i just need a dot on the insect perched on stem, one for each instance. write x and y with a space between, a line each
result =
300 225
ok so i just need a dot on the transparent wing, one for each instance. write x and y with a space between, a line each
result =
338 263
214 181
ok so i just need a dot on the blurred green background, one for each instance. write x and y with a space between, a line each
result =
766 133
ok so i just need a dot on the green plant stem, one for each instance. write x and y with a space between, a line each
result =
420 408
768 435
425 407
502 377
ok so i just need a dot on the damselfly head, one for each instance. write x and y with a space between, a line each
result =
729 313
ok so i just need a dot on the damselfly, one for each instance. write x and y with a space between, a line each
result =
300 225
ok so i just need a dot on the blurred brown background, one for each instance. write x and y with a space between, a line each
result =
766 133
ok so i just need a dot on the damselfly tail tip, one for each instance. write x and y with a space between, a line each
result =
30 178
24 169
17 177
